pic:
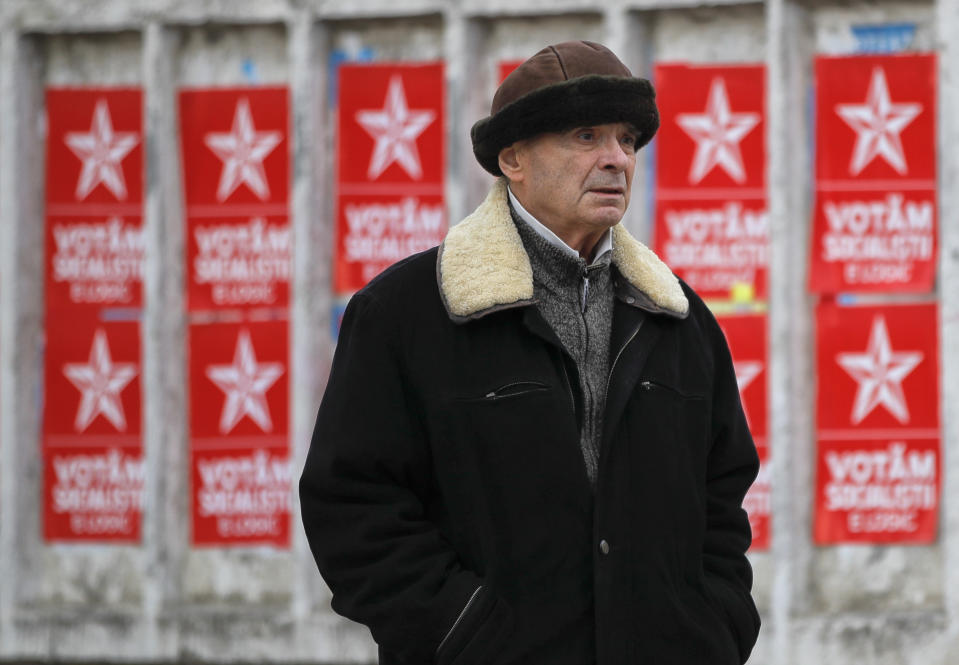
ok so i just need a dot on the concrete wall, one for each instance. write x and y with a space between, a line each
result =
163 600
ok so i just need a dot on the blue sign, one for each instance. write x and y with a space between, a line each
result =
121 314
338 57
248 67
886 38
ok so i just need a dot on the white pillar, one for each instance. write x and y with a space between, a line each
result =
628 35
947 22
21 333
790 320
166 507
311 344
458 37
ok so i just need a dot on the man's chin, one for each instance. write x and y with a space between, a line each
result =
607 216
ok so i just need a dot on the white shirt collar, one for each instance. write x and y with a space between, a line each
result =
604 245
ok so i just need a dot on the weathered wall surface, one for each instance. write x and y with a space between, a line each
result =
165 601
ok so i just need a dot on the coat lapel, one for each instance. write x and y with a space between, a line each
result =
633 337
536 324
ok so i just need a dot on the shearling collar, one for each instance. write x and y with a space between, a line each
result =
482 267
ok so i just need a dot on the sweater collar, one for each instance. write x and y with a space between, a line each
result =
553 267
482 266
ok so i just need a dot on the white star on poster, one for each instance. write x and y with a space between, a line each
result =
100 382
102 152
245 383
879 371
395 129
242 151
878 123
746 372
717 133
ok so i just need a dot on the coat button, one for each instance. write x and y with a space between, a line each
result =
604 547
630 299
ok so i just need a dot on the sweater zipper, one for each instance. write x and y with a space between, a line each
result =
587 396
585 290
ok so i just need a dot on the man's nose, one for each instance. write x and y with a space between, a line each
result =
614 156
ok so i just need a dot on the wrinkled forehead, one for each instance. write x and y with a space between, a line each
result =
618 128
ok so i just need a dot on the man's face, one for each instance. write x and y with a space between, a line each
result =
576 179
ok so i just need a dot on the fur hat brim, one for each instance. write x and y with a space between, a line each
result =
578 102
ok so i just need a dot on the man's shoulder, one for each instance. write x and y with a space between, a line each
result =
700 315
697 305
401 305
409 280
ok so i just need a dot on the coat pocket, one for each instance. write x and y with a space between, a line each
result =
459 619
479 632
741 618
508 390
667 448
706 629
651 386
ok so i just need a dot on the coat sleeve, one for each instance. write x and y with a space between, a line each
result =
732 466
363 492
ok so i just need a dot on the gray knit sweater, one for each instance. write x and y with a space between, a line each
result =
576 300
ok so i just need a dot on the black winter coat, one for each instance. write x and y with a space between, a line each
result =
445 496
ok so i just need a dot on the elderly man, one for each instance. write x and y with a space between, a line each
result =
531 448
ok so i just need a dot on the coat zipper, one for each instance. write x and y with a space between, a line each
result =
612 367
583 305
569 384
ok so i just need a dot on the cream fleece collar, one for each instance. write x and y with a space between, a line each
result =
482 266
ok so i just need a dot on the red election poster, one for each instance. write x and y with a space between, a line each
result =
236 168
94 197
878 436
93 459
236 183
92 444
390 167
712 225
746 335
874 225
240 460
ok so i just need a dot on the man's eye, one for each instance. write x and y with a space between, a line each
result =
586 136
629 140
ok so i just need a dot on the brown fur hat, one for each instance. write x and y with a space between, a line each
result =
565 85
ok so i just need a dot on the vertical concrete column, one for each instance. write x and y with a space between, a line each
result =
790 322
21 331
474 103
311 343
458 49
8 570
166 500
616 38
947 22
616 30
628 36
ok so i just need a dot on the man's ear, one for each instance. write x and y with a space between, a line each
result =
509 163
